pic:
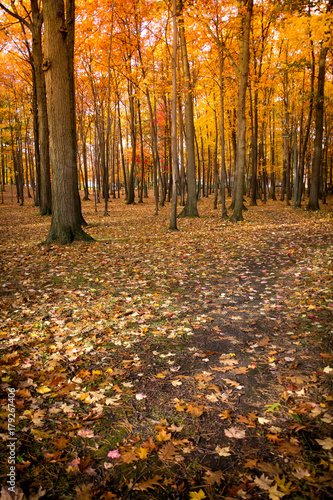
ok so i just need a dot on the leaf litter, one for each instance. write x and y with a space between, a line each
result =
154 364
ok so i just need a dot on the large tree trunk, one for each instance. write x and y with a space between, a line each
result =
241 118
300 187
58 66
173 219
45 200
190 209
318 142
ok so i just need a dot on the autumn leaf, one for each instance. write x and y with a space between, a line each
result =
197 495
327 443
85 433
212 478
61 443
143 452
274 494
301 473
195 410
273 407
234 432
223 452
43 389
148 484
263 482
163 435
167 452
113 453
129 456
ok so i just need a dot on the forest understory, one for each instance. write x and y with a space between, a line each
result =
158 364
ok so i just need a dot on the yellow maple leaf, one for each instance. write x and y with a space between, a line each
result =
197 495
163 436
142 452
43 389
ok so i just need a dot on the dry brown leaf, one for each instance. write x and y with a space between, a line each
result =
167 452
195 410
150 483
263 482
213 477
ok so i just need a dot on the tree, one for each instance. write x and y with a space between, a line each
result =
241 117
59 75
190 209
319 107
173 221
33 21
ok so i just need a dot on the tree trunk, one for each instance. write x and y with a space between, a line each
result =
300 186
173 219
190 209
45 198
66 213
318 142
241 118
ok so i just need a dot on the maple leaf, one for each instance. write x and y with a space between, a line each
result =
263 420
213 477
176 383
234 432
84 492
327 443
129 456
163 435
212 398
274 494
226 414
6 495
263 482
86 433
223 452
43 389
197 495
114 454
142 452
180 406
195 410
273 407
175 428
301 473
140 396
148 484
167 452
61 443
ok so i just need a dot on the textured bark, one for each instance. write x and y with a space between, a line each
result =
241 118
45 199
190 209
173 219
318 142
66 210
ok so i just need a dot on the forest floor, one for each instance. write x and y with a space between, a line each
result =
153 364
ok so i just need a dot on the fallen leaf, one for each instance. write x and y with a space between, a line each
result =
263 482
211 477
148 484
223 452
234 432
113 453
195 410
197 495
86 433
327 443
